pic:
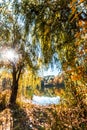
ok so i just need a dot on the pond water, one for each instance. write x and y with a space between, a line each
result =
44 100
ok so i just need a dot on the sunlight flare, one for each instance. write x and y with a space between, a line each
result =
9 55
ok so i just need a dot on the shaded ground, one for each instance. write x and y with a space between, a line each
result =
34 117
27 116
30 117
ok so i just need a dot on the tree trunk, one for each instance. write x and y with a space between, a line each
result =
14 86
15 75
14 93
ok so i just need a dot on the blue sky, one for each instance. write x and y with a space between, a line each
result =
51 71
54 68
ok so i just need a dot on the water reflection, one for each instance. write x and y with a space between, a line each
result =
44 100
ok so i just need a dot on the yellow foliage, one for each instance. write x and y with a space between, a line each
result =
46 30
75 77
80 23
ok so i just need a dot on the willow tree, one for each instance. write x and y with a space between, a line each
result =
44 24
55 28
30 24
16 51
52 29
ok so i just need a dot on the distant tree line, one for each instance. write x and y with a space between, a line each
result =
52 81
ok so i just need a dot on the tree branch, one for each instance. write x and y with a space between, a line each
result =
19 72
